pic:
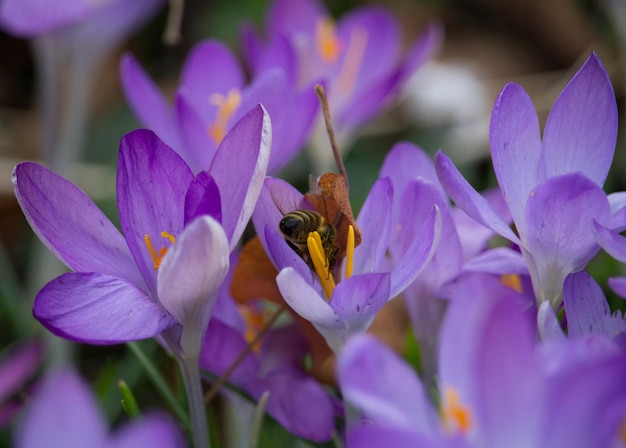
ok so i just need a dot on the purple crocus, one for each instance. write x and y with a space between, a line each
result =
123 287
497 387
358 58
351 306
211 97
64 412
552 186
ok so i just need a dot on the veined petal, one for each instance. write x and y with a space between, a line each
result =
79 425
284 256
203 198
393 437
587 309
375 217
147 101
469 199
152 182
581 129
154 430
374 380
239 169
559 218
357 299
71 225
309 304
418 254
515 149
191 274
98 309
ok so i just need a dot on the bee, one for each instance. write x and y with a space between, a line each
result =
296 227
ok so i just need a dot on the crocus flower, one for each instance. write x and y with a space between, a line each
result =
71 41
350 307
211 97
462 247
135 286
17 366
552 186
65 413
497 387
358 58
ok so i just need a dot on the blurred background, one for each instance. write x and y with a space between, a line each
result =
447 104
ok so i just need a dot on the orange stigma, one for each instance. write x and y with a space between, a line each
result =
157 256
455 416
512 281
326 40
226 107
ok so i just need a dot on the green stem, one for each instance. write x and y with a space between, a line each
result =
159 382
193 386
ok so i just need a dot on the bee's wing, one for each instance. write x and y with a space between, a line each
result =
285 197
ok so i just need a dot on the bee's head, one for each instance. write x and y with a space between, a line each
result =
290 225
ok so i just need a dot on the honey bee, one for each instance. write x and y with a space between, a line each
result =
296 227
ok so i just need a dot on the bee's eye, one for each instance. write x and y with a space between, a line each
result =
289 224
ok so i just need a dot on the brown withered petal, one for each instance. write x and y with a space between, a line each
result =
331 199
255 275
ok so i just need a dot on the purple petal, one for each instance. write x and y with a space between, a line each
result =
422 49
17 366
391 437
469 200
199 148
284 256
586 308
617 201
375 381
147 101
581 129
80 424
547 324
618 284
203 198
515 149
192 272
71 225
300 404
294 16
380 35
239 169
406 162
31 18
506 366
308 303
210 68
157 431
500 260
559 218
357 299
152 182
98 309
613 243
375 219
418 254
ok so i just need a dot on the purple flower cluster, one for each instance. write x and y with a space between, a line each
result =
518 346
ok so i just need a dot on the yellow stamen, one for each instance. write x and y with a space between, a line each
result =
513 281
349 252
226 106
157 257
255 321
320 263
326 41
455 416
